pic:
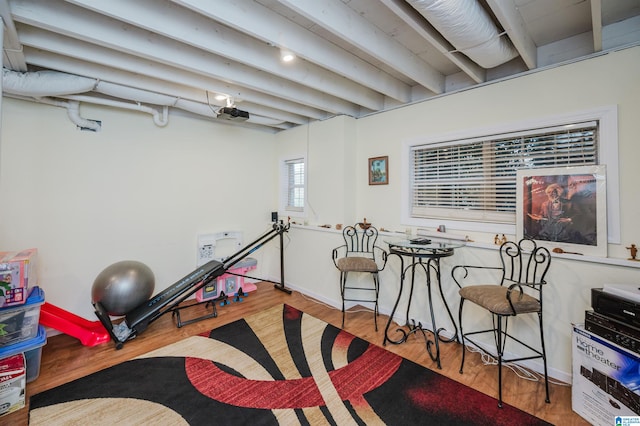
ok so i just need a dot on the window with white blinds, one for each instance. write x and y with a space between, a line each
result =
295 184
475 179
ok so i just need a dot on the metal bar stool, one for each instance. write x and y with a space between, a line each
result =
517 292
359 253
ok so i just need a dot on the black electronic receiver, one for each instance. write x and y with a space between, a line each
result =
616 307
613 330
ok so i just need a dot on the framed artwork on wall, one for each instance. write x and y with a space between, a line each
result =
379 170
563 208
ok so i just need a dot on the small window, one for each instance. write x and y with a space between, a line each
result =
294 183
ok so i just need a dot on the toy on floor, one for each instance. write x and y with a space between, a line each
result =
90 333
230 285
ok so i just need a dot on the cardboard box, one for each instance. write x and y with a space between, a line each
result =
606 379
12 383
17 273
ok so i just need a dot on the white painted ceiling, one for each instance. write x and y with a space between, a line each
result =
353 57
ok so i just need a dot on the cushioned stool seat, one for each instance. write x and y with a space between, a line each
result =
494 299
357 264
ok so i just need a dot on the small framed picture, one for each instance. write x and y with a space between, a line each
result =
379 170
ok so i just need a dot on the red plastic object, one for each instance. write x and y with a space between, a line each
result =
90 333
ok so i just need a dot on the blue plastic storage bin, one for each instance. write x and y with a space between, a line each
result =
32 350
20 323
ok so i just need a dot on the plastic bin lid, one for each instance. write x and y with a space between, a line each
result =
36 295
27 345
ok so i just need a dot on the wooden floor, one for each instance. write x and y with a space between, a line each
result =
65 359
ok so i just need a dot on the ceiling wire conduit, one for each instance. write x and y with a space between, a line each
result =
469 28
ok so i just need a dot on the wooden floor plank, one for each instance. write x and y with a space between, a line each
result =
65 359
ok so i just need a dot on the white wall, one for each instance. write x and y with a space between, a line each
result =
131 191
606 80
330 149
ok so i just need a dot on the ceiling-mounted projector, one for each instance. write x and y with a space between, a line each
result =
233 114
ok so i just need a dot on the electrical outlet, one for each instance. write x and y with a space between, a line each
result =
206 248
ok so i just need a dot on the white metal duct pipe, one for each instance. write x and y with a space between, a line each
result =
469 28
160 120
53 83
45 83
73 111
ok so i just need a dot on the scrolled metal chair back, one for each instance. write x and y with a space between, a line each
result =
524 262
359 239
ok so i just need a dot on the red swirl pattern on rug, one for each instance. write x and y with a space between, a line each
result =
349 381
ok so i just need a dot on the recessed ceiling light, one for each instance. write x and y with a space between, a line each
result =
287 56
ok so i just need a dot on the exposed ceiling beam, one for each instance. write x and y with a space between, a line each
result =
507 13
596 23
432 36
12 49
129 79
135 41
354 57
178 23
262 23
342 21
88 53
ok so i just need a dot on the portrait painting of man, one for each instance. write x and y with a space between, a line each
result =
561 207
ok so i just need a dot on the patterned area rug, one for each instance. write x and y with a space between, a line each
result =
280 366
